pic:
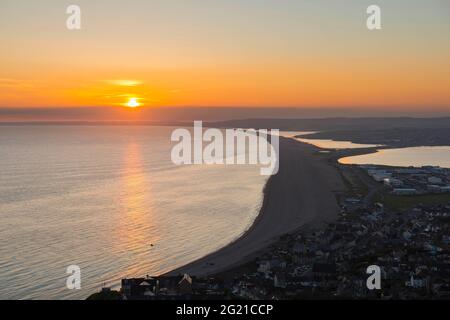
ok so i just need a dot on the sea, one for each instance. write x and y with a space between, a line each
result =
109 200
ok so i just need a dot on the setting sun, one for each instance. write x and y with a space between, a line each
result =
132 103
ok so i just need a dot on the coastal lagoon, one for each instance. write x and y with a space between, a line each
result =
405 157
109 199
332 144
293 134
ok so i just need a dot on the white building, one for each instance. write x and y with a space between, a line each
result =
392 182
434 180
445 189
264 267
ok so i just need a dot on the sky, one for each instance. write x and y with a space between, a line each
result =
226 53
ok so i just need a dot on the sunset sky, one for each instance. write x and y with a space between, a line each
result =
250 53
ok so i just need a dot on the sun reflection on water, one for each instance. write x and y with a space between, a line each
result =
136 232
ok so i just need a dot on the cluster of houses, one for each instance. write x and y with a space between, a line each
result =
411 181
411 248
181 287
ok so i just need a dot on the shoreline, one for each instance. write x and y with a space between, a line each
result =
288 205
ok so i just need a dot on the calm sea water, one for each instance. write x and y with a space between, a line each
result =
405 157
99 197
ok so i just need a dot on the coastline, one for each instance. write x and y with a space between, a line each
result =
302 194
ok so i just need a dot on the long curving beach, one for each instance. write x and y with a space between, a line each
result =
302 193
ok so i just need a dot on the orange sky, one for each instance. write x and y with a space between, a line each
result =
294 54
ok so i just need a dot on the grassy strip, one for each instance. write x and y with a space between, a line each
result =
406 202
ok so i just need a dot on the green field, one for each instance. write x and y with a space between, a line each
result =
406 202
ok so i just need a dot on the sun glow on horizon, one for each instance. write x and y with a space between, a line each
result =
133 103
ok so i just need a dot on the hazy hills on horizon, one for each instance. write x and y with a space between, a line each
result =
395 132
210 114
389 131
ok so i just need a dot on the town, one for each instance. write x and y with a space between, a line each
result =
412 181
